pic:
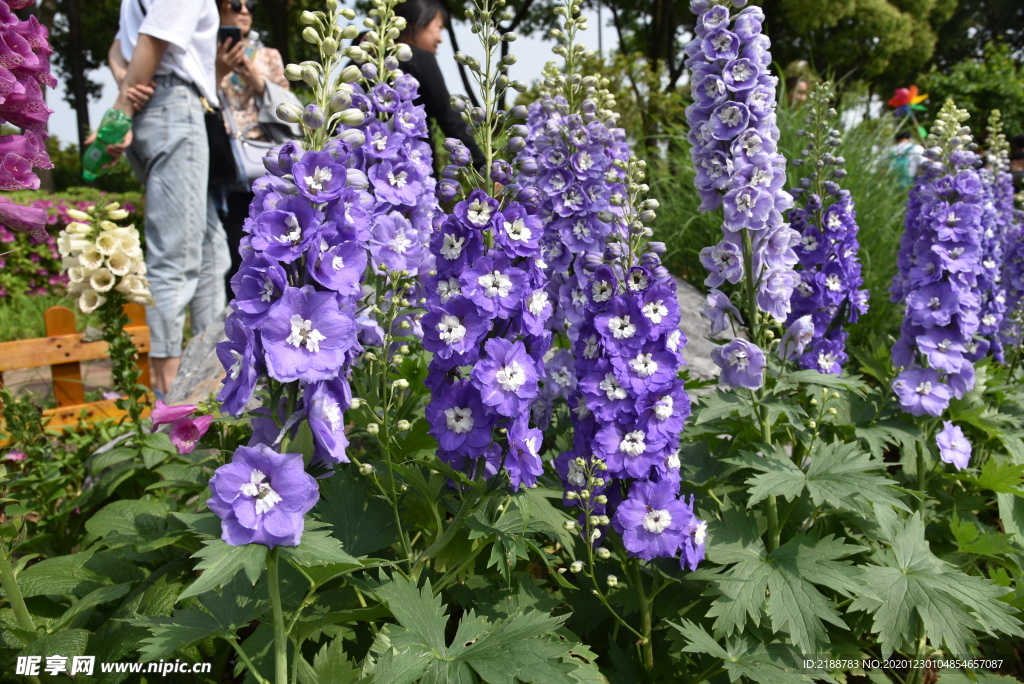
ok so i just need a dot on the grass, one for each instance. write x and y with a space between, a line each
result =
879 201
21 316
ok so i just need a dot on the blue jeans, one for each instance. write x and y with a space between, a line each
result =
186 248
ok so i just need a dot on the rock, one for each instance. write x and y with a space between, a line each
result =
201 371
697 352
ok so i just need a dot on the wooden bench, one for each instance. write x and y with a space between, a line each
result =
63 350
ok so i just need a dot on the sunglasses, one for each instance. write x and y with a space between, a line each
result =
236 5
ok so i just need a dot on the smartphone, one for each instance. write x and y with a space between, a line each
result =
232 34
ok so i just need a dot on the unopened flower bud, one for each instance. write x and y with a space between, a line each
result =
576 566
310 35
832 411
613 581
404 325
329 46
310 76
403 52
403 426
603 553
313 117
366 469
569 525
289 113
373 428
308 18
352 117
401 384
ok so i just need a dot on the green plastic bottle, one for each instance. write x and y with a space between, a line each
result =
114 126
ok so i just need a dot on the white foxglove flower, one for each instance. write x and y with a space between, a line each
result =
102 280
91 257
119 263
107 243
90 301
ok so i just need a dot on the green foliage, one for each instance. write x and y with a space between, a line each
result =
981 84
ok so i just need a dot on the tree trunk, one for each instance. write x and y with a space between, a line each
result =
280 36
79 93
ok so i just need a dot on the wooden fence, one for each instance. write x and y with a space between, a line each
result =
63 350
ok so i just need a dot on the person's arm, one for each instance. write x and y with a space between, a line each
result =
118 64
145 59
436 101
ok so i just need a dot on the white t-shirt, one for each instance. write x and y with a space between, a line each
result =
190 28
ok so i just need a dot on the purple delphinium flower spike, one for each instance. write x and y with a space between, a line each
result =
939 268
733 136
261 497
828 294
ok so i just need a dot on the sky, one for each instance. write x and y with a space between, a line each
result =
532 54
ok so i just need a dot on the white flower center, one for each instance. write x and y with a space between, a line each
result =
738 359
576 476
236 367
581 230
673 460
320 177
446 289
303 333
451 247
721 42
621 327
450 329
611 388
332 413
258 488
602 290
924 388
655 311
511 377
536 302
295 235
730 115
674 338
833 221
657 520
495 284
479 212
934 303
826 360
632 443
562 376
700 534
833 282
397 180
337 262
590 348
643 365
741 71
663 409
459 420
518 230
401 243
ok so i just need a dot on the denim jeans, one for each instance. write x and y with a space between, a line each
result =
186 249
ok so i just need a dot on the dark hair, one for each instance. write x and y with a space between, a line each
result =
419 13
793 81
903 134
1017 141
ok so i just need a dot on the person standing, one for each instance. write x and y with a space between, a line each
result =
905 158
165 53
250 78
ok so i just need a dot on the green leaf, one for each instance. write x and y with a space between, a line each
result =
60 575
107 459
778 584
417 610
1001 477
220 563
70 642
318 548
840 475
744 657
206 525
361 521
332 666
719 405
969 539
913 584
156 448
130 518
880 434
91 600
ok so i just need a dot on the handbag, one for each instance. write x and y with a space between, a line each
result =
248 155
223 168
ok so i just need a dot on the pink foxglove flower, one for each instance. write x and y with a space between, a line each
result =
186 432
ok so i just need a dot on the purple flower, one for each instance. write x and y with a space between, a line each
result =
953 446
742 364
399 183
518 232
394 243
319 176
306 336
495 286
652 520
453 330
523 459
458 419
921 392
335 264
630 450
287 231
261 497
326 403
238 355
456 247
694 538
506 377
478 210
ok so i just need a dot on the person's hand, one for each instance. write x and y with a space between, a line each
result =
116 150
139 95
249 73
227 58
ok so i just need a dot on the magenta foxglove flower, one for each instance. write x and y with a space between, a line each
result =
15 455
261 497
953 445
162 413
186 432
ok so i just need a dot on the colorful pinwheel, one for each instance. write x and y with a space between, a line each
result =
906 101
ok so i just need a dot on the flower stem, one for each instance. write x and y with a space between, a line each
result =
646 645
280 637
13 592
245 659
